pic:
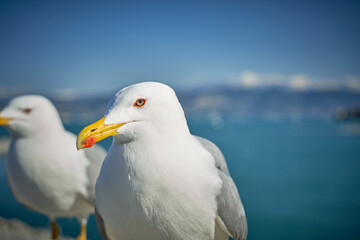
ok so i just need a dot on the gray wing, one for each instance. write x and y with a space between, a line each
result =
96 156
101 225
230 208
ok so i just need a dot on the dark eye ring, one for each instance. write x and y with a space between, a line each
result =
27 110
140 102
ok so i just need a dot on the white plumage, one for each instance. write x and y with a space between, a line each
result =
45 171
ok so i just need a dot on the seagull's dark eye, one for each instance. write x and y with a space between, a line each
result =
140 102
27 110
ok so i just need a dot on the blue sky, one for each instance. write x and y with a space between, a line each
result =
99 46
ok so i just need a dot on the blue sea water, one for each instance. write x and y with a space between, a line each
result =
297 179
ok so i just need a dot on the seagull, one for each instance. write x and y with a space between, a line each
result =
158 181
45 171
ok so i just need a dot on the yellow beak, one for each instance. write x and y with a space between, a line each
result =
4 121
96 132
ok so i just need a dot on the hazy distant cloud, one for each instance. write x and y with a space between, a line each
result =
353 83
251 79
297 82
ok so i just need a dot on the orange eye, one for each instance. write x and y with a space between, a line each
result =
140 102
27 110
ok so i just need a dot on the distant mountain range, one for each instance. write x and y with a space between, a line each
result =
271 102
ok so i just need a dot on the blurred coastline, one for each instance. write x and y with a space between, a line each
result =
269 103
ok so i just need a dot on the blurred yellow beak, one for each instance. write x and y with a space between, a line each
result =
4 121
96 132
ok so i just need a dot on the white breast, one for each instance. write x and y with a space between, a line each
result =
118 204
47 182
139 196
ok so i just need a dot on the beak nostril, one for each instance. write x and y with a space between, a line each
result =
92 130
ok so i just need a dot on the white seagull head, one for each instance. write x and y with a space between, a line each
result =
30 115
140 110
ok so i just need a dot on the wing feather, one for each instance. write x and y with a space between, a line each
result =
231 214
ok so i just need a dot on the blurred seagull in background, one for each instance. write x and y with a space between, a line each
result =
158 181
45 171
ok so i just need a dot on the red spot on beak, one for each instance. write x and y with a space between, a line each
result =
89 142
